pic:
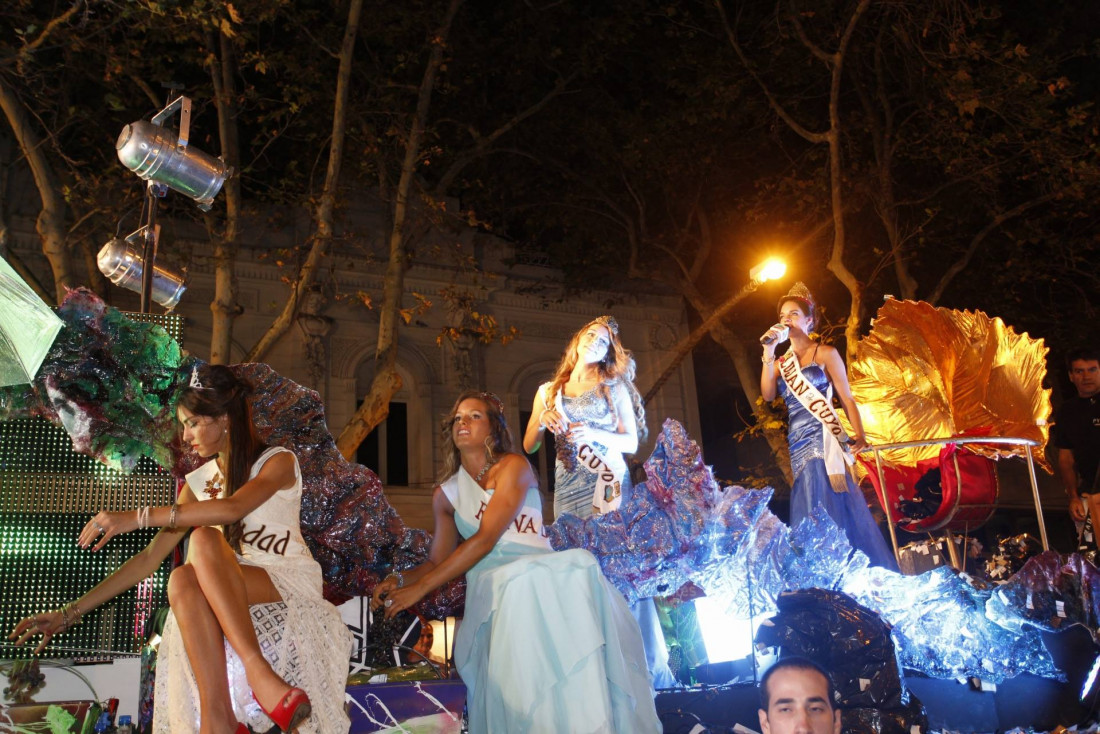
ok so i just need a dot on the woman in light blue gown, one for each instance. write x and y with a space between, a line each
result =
821 477
546 644
597 417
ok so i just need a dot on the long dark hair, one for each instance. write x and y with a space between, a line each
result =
215 391
498 443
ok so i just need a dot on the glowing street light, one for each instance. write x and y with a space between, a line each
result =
771 269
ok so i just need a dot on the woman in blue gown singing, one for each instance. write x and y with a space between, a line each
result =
807 376
546 644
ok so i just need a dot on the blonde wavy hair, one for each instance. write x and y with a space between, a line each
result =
616 368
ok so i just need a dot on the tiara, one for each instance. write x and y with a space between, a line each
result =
801 292
608 321
489 397
196 383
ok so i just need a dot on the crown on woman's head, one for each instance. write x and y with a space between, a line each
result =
801 292
196 383
489 397
608 321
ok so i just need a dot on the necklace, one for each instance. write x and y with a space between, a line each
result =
213 486
484 469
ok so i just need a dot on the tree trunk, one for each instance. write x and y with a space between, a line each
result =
323 226
836 263
386 382
50 224
224 307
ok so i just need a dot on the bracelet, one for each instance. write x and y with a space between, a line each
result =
172 516
400 578
143 517
767 360
66 610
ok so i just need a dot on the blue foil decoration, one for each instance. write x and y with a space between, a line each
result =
680 526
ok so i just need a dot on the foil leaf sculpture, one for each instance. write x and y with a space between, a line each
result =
926 373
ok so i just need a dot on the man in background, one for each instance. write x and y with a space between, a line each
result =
797 697
1076 435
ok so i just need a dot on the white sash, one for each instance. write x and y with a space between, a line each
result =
607 494
469 501
820 407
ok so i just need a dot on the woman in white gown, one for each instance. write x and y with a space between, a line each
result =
546 643
256 556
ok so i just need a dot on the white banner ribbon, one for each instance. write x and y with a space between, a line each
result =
837 459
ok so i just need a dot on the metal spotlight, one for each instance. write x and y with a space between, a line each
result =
156 154
122 263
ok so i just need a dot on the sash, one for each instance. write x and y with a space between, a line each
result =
607 492
820 407
469 501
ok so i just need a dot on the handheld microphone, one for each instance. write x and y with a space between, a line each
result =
776 335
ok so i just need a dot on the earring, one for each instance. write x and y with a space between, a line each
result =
489 448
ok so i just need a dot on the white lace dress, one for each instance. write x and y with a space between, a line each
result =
302 637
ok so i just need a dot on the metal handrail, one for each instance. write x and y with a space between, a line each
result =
1027 443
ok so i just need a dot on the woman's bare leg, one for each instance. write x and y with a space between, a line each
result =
229 589
202 640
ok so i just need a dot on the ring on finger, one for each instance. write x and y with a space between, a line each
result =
97 525
388 603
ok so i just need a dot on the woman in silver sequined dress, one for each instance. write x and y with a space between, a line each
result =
596 415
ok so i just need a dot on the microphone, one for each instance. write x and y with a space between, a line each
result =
775 335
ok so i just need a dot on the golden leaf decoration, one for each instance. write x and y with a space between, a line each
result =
929 373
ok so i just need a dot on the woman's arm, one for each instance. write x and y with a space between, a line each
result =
834 368
444 541
136 569
277 473
540 419
769 375
624 440
511 478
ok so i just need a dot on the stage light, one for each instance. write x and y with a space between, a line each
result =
725 637
156 154
771 269
121 261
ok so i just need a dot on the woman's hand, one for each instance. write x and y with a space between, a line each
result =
855 445
553 421
47 624
106 525
381 591
580 432
400 599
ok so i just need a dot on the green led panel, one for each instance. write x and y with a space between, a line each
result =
41 568
172 323
47 494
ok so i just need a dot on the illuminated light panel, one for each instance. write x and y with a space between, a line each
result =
47 494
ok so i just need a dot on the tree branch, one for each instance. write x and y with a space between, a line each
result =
772 101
